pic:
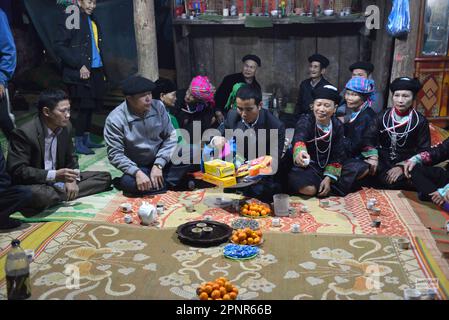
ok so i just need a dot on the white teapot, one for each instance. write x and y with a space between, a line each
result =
147 213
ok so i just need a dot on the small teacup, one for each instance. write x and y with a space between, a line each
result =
412 294
376 224
403 243
128 218
276 222
296 228
126 207
190 207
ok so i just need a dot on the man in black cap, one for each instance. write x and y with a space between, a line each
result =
248 75
317 68
141 140
362 69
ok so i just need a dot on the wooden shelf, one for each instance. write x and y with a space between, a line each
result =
287 20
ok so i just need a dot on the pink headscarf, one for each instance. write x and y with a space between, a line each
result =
202 89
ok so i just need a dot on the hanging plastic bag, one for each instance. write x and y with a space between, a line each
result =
399 19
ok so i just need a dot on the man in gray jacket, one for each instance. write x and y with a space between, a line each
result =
140 141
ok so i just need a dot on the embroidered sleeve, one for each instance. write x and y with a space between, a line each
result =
333 171
369 152
424 157
299 146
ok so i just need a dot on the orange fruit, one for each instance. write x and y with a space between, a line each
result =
264 212
242 236
226 297
232 295
228 286
250 241
204 296
245 211
256 240
235 239
224 279
259 233
220 282
215 294
243 242
223 291
216 286
235 290
208 289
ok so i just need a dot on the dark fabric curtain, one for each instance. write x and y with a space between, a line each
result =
115 19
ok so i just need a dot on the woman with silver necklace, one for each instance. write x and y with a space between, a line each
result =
396 135
318 147
357 97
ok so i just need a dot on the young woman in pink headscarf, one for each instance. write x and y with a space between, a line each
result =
195 106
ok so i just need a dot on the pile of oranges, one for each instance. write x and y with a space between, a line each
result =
220 289
246 236
255 210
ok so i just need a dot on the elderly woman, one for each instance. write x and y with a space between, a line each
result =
357 96
195 106
318 151
396 135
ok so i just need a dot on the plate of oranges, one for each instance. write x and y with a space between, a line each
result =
255 210
219 289
247 236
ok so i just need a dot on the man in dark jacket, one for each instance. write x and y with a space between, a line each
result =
317 68
248 75
80 51
41 156
12 198
252 123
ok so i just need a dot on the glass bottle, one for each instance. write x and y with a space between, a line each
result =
17 270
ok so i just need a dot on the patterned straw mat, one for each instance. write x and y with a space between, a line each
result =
122 262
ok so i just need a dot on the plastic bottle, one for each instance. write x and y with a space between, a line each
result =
17 270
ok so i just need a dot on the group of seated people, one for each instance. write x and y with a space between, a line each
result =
154 139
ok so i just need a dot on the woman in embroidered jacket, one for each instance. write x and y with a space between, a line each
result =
318 147
396 135
357 97
432 183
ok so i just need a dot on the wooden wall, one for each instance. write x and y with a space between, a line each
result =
216 51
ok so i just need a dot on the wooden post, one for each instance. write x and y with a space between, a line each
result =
405 49
145 30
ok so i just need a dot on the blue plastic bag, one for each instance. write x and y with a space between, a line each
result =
399 19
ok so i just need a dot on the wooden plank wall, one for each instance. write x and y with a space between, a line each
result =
216 51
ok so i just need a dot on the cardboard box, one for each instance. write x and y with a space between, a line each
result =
221 182
219 168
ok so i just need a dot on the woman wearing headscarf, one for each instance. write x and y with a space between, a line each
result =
395 135
318 152
195 105
358 91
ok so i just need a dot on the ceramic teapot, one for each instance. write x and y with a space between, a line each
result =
147 213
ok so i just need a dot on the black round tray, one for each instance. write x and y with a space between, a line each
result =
221 234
